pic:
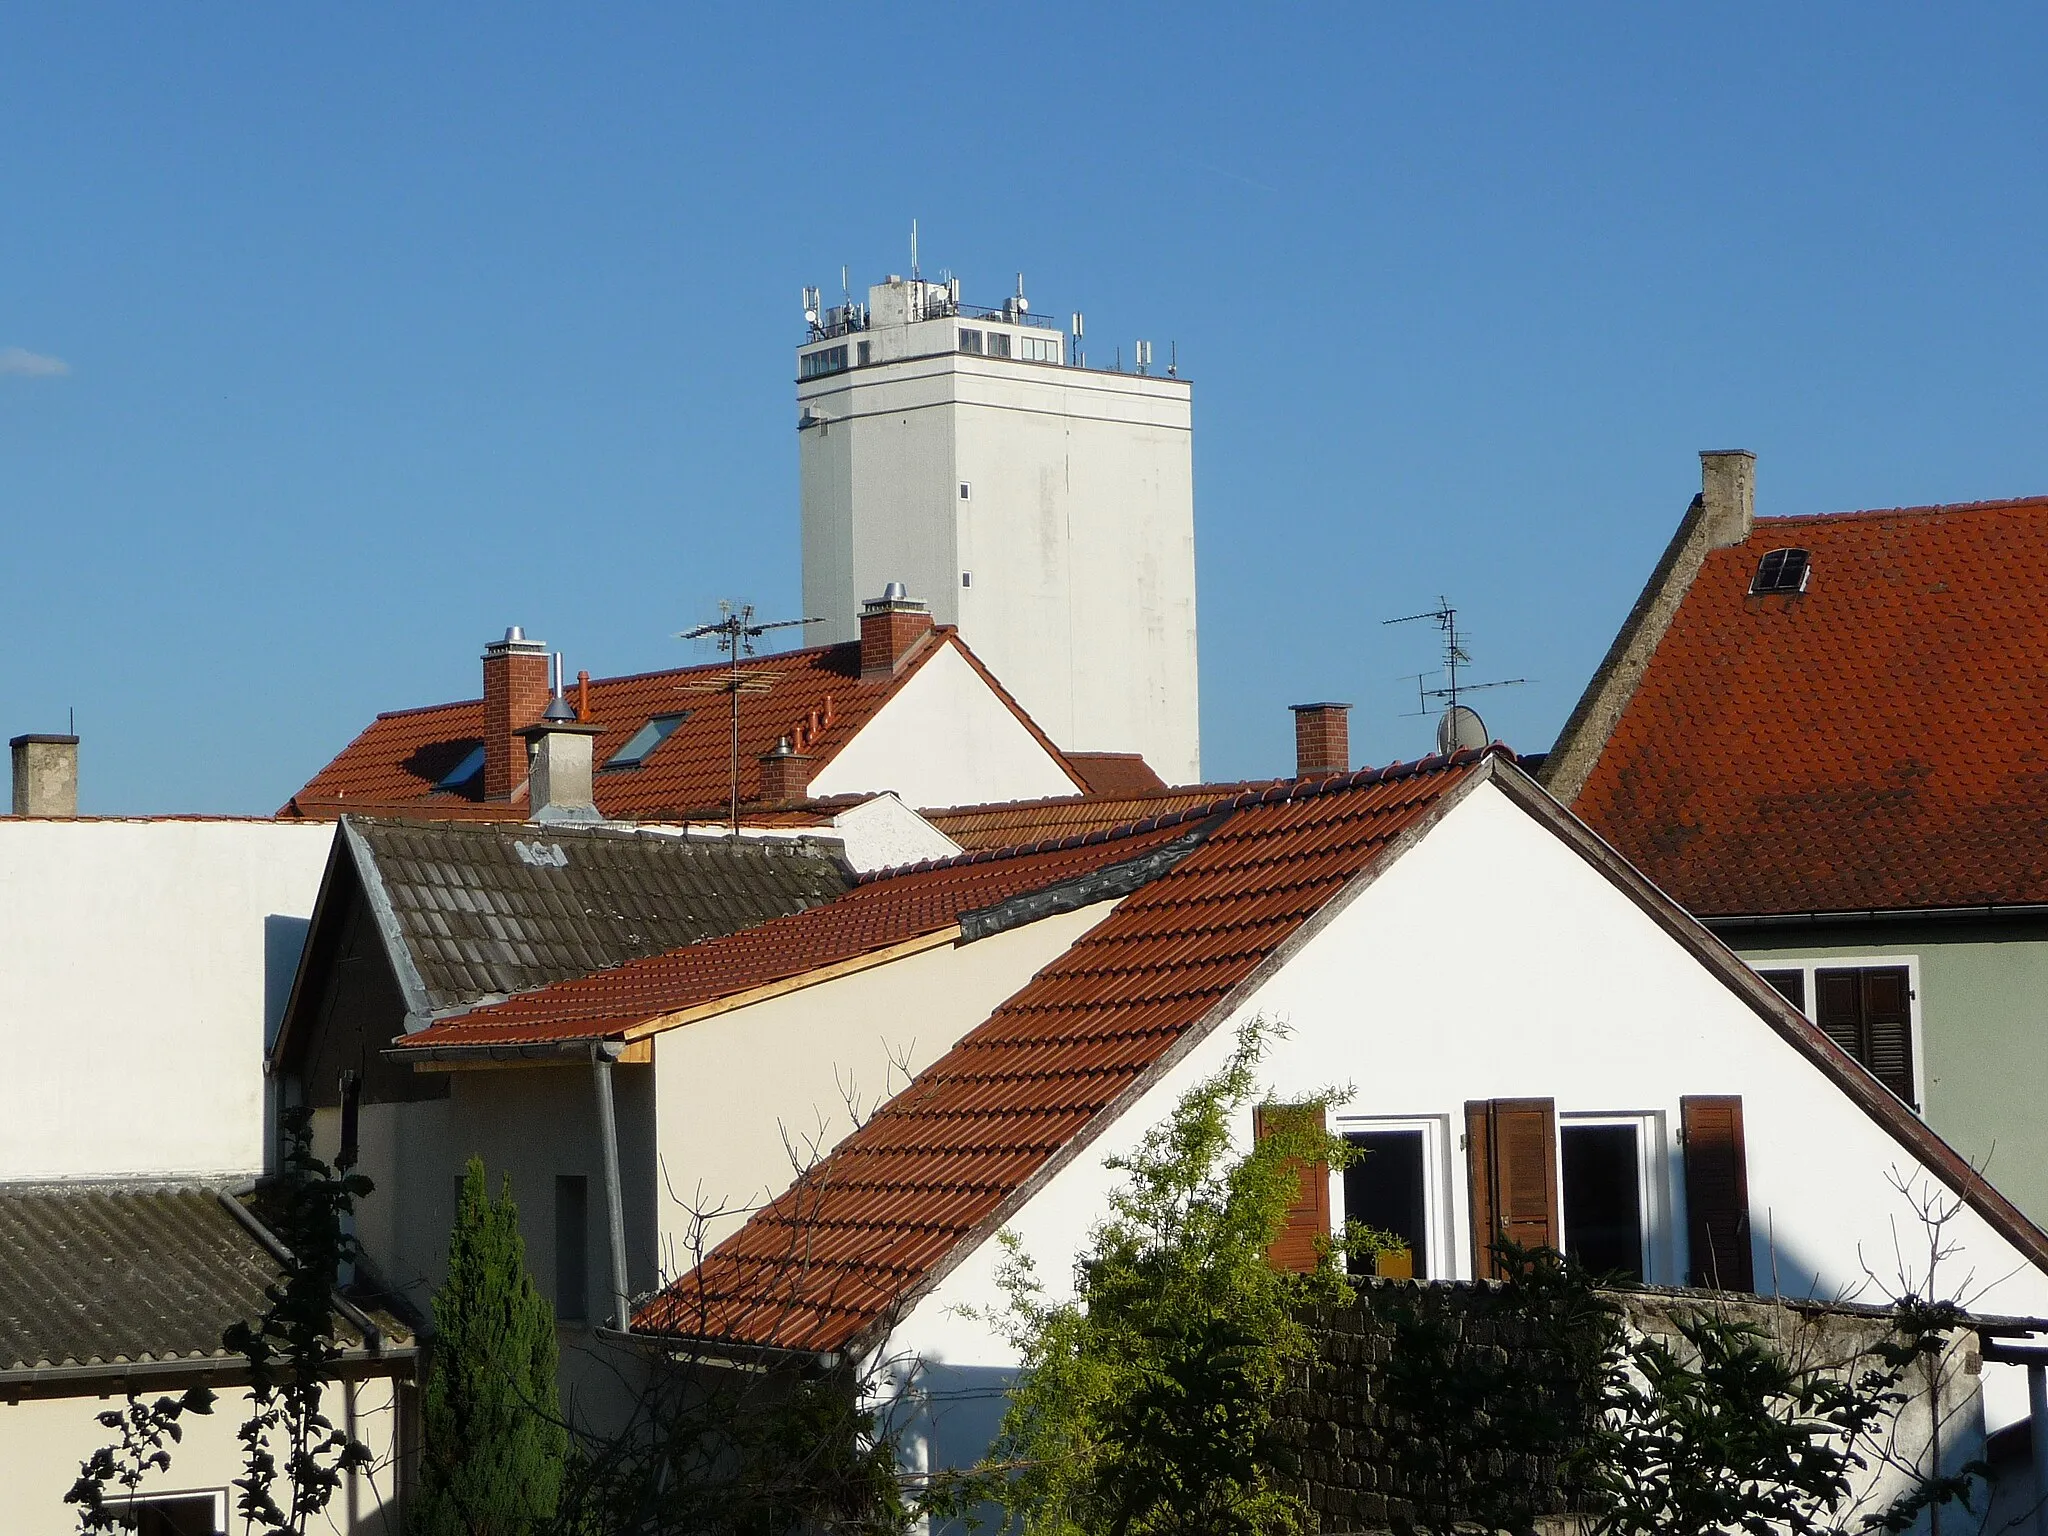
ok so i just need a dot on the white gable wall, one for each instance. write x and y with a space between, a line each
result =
945 738
730 1088
1491 961
141 964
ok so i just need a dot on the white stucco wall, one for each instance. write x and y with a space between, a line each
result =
944 738
141 965
1069 564
884 833
731 1088
1491 961
43 1441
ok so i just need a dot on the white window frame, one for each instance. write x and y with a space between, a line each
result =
1653 1183
140 1501
1864 963
1439 1239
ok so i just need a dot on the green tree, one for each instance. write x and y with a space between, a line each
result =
1146 1403
495 1440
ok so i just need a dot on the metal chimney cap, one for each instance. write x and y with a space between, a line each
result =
514 633
895 592
559 709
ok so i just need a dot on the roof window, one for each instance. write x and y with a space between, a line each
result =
471 765
643 741
1782 570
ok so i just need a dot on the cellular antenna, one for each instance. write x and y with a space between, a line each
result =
735 631
913 250
1459 725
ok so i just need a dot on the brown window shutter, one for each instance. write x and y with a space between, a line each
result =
1308 1219
1888 1028
1479 1179
1511 1153
1716 1193
1838 1008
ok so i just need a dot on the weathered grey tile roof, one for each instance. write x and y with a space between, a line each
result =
490 909
120 1274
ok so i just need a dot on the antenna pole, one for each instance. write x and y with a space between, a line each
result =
913 251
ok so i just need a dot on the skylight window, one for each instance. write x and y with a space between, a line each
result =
471 765
1782 570
645 740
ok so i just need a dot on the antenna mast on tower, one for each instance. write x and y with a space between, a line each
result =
736 632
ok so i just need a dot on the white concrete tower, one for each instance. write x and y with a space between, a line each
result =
1044 507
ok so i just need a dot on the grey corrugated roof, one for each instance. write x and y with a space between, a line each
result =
94 1274
490 909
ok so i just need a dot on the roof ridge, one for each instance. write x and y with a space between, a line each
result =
637 677
1932 509
1278 792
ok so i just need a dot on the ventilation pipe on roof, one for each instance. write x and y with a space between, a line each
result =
1728 495
1322 739
45 775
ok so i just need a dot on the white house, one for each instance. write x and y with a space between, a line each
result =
1539 1042
143 963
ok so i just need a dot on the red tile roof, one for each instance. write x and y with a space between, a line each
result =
884 911
1115 773
950 1155
814 694
1006 823
1879 741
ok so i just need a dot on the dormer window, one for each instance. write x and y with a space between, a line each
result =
1782 570
640 746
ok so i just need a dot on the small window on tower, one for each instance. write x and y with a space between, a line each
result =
1782 570
967 578
998 344
867 353
966 490
970 341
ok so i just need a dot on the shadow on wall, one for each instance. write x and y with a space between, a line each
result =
284 940
960 1410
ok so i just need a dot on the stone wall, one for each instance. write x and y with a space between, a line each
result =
1335 1425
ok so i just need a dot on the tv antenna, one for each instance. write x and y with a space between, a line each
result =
1460 725
735 631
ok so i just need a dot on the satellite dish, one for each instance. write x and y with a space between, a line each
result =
1460 730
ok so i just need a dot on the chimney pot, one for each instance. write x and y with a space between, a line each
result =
1322 739
1728 495
785 775
45 775
558 774
515 696
890 628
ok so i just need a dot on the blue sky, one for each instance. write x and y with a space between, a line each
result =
331 342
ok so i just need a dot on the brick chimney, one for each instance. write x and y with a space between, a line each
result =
515 696
785 775
45 775
890 627
1728 495
1322 739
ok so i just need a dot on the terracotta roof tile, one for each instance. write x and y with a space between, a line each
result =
1879 741
882 911
401 757
1005 824
853 1239
1115 773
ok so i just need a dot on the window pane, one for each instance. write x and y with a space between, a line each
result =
1384 1189
645 740
572 1248
187 1514
1790 985
1603 1198
970 341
